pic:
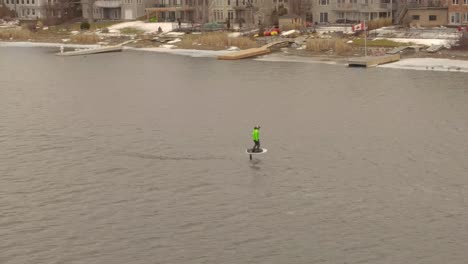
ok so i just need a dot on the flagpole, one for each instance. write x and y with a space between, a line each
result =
365 39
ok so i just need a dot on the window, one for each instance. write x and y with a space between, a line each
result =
229 2
454 2
466 17
324 2
33 2
323 17
465 2
432 18
230 14
33 11
415 17
22 1
28 12
27 2
8 2
455 18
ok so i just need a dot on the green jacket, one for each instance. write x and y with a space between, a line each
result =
256 134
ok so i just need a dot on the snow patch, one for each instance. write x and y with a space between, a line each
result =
429 64
184 52
174 41
146 27
426 42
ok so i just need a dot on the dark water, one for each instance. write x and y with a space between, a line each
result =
139 158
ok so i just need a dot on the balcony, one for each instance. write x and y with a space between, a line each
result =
346 7
375 7
108 3
241 5
171 5
170 8
426 4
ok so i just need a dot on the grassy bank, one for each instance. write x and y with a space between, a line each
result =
215 41
76 26
15 34
339 46
380 43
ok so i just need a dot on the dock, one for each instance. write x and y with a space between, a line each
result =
245 54
91 51
372 61
253 52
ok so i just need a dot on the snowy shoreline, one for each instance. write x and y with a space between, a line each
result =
428 64
26 44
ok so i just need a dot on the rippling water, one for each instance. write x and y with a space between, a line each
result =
139 158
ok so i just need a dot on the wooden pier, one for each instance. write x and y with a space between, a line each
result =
248 53
91 51
245 54
372 61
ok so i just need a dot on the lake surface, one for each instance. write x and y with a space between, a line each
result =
140 157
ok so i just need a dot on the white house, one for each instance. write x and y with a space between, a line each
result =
28 9
116 9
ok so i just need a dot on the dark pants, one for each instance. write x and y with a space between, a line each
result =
256 147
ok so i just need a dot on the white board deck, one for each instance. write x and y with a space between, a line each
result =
264 150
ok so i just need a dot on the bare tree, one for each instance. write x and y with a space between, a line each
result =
61 10
300 7
6 12
91 11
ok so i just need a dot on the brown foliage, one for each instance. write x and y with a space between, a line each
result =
85 38
215 40
337 45
378 23
6 13
15 34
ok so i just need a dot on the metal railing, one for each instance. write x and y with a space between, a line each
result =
347 6
170 5
431 3
361 6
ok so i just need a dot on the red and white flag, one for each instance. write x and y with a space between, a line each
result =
358 27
